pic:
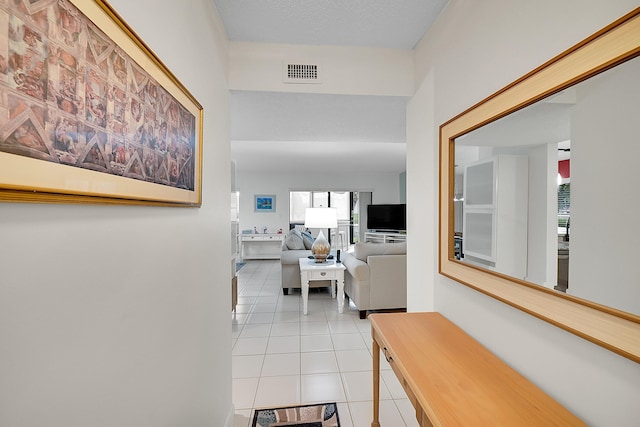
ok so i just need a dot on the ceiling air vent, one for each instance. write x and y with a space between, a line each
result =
298 72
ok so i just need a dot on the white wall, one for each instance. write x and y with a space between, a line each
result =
542 241
344 70
385 188
422 196
474 49
119 316
603 265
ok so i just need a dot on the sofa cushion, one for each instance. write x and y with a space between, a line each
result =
293 241
292 256
363 250
307 239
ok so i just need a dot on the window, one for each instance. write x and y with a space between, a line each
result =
564 208
341 200
298 202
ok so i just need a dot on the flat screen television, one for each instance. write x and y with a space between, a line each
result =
387 217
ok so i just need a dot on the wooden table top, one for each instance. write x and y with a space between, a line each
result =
457 381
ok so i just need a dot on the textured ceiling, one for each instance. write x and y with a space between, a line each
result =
355 133
377 23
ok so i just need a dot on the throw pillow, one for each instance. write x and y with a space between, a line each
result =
294 240
307 239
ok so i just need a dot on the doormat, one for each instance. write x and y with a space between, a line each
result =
319 415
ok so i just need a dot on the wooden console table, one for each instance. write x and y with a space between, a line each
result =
452 380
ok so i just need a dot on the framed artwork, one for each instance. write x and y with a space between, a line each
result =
264 203
89 114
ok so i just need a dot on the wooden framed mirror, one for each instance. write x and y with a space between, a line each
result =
499 230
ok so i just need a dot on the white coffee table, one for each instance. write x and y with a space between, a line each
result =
330 270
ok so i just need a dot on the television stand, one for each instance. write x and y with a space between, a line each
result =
384 236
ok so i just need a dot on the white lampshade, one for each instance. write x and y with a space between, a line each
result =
321 218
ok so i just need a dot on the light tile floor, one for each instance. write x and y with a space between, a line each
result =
281 357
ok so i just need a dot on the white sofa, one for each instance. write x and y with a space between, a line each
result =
376 276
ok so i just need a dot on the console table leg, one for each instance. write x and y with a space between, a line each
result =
376 384
305 295
340 295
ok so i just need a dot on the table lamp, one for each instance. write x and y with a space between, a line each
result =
321 218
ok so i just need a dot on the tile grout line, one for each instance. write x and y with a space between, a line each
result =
333 329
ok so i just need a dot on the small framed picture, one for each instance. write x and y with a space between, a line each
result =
264 203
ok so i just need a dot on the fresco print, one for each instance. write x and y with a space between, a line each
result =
70 95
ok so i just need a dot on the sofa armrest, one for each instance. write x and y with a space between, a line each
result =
359 270
388 284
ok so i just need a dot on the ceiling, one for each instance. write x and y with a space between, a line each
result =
302 131
336 131
375 23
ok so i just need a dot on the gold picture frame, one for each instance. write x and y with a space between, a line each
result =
89 114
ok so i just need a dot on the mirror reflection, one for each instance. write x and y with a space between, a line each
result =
549 194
